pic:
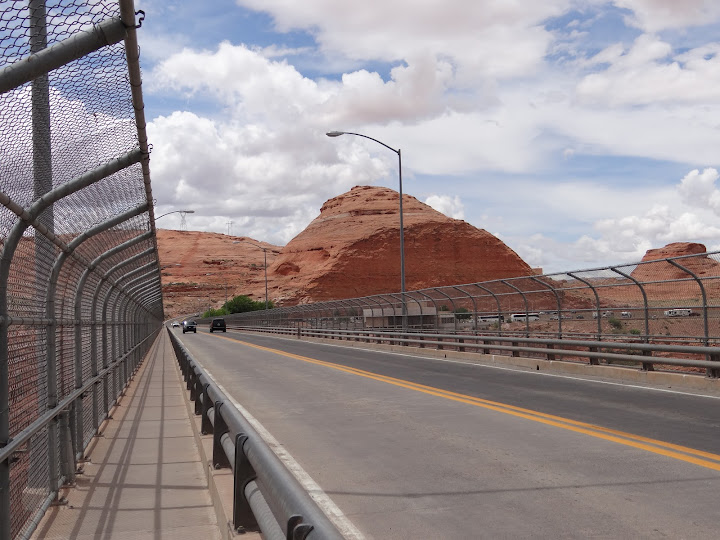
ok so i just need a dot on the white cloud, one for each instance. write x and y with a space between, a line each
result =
627 238
496 38
647 72
698 189
447 204
656 15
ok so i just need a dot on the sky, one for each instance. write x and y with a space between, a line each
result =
580 132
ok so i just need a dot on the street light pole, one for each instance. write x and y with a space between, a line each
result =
402 228
176 212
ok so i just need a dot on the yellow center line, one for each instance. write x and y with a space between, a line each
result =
675 451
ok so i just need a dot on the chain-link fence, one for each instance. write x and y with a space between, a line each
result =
655 301
80 294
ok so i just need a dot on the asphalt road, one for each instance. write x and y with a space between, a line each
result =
409 447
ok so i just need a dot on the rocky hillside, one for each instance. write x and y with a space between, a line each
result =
351 249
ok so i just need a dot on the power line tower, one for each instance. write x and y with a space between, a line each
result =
229 227
183 222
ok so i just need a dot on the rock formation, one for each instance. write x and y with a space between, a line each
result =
353 249
661 271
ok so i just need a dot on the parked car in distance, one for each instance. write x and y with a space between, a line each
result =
189 326
217 325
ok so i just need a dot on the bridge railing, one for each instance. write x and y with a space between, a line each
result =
266 495
618 353
670 300
80 294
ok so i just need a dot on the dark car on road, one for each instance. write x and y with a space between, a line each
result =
218 324
189 326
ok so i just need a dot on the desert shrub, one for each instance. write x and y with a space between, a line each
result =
215 313
243 303
462 314
615 323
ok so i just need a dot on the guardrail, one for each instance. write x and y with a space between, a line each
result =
675 298
80 291
593 352
266 495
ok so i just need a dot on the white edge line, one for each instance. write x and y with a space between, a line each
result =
326 504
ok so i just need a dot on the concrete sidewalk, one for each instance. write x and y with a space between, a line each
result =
144 477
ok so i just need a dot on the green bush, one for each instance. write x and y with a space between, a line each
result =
215 313
243 303
615 323
239 304
462 314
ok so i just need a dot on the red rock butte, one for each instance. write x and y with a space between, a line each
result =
353 249
700 266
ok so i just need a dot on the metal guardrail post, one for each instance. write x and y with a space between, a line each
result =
694 276
434 303
497 301
472 299
243 474
439 291
206 426
597 306
557 300
220 428
646 306
706 327
646 366
527 310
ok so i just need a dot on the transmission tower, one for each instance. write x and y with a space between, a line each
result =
183 223
229 226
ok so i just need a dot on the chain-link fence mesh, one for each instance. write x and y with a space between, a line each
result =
76 217
674 300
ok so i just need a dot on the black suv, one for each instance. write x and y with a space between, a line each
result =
218 324
189 326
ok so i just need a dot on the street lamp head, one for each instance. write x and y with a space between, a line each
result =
335 133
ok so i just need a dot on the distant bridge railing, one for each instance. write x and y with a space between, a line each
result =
80 292
619 353
672 300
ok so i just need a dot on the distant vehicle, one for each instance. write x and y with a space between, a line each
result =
176 324
626 315
189 326
490 318
678 312
521 317
217 325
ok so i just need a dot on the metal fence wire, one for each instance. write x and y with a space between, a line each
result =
80 292
671 301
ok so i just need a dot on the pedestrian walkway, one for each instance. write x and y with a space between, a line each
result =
144 476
